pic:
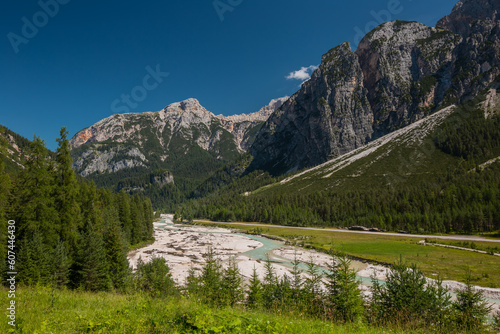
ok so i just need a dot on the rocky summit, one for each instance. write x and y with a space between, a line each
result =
151 140
400 73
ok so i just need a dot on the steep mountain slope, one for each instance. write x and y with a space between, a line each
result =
400 73
181 144
16 148
419 152
438 174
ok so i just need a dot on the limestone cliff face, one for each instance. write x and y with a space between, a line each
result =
477 59
401 62
329 115
400 73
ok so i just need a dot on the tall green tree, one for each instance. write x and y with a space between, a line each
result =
66 192
33 205
60 266
211 278
116 253
254 293
344 295
472 309
231 284
91 267
5 189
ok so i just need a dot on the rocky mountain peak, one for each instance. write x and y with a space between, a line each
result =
260 116
467 11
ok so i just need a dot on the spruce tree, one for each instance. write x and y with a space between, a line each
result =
66 192
231 284
116 255
471 308
61 264
211 278
255 292
33 205
34 262
155 278
344 295
92 267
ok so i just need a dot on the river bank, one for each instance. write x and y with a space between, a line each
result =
184 247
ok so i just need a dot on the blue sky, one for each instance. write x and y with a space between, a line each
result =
72 62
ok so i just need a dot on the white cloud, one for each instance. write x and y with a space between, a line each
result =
303 74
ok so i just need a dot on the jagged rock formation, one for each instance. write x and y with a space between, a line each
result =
400 73
329 109
183 130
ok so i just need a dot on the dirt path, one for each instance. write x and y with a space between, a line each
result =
443 237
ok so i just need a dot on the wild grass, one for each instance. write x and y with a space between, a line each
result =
42 310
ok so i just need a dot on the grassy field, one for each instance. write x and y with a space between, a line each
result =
41 310
449 264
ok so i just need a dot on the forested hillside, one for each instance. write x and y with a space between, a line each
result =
67 232
446 181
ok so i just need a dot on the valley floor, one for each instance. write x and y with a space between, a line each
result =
184 247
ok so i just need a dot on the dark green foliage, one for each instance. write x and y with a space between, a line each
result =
231 284
155 278
406 297
344 296
34 262
472 310
33 206
470 135
61 264
254 291
116 255
211 279
91 267
51 206
66 191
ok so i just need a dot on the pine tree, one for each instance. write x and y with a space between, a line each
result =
270 285
255 292
92 267
34 262
155 278
343 290
33 205
231 284
472 310
124 214
66 191
116 256
211 278
60 265
192 285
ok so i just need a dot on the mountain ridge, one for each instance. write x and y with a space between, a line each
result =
400 73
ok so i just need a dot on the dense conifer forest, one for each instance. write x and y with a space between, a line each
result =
68 232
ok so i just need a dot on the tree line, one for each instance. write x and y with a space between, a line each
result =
407 300
68 232
460 201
